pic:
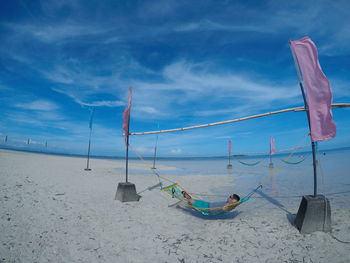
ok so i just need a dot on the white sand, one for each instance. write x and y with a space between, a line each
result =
54 211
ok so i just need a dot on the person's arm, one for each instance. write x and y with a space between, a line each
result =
230 206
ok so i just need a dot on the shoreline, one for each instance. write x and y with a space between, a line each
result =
243 156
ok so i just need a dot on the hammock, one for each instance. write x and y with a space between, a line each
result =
200 205
250 164
288 162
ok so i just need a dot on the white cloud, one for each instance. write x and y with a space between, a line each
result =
77 98
186 84
176 151
42 105
208 25
56 32
144 150
49 116
146 109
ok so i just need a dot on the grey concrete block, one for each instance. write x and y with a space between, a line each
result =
314 214
126 192
270 165
229 166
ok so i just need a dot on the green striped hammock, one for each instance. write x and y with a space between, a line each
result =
199 204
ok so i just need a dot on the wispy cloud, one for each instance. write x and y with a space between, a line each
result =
194 83
56 32
182 84
176 151
208 25
73 94
42 105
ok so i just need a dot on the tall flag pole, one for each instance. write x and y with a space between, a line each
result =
314 212
92 111
318 95
125 127
126 192
229 166
272 150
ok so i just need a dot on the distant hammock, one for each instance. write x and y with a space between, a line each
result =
250 164
288 162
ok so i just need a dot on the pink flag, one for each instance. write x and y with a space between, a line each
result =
126 116
272 145
229 147
318 90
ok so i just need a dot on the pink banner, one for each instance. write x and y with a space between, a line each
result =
272 145
229 147
126 116
318 90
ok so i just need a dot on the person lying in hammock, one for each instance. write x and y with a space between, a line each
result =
207 206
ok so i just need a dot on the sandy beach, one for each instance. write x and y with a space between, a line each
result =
54 211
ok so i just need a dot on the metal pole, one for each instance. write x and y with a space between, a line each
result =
90 126
308 119
88 155
127 152
155 153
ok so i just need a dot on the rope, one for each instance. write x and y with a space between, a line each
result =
250 164
276 170
293 162
151 168
326 211
264 153
341 241
146 163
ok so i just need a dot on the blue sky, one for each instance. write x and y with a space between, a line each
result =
189 62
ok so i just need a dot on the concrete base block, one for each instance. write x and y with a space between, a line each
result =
271 165
229 166
126 192
314 214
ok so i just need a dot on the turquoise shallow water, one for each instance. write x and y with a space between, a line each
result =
286 186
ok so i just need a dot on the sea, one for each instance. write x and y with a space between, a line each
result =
291 176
